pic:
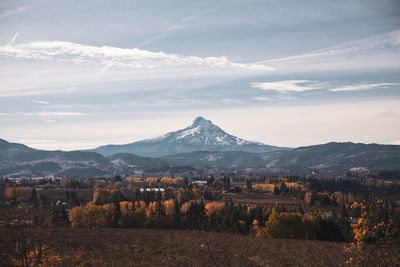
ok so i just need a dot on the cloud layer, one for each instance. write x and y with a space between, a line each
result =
365 86
380 51
286 86
117 57
120 71
15 11
306 85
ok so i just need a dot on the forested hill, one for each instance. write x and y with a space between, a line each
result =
20 160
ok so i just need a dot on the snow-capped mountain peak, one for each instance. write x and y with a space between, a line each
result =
201 135
200 121
204 134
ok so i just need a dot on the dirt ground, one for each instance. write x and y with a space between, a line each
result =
260 198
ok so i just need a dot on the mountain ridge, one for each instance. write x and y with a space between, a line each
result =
201 145
201 135
18 160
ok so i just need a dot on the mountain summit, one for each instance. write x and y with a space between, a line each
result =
202 135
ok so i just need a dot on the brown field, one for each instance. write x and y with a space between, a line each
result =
149 247
55 194
260 198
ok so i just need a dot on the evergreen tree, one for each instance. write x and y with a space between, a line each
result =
249 185
34 199
59 215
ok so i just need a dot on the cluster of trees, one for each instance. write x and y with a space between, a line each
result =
327 192
18 193
389 175
184 208
113 208
194 214
281 186
298 226
264 187
171 181
187 209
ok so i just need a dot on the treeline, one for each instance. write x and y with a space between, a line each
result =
305 191
389 175
329 192
187 209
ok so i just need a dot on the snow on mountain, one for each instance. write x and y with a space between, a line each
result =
202 135
201 132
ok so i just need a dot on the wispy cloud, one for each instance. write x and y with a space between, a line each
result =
40 102
262 98
117 57
287 86
230 100
378 51
306 85
13 39
183 24
171 29
52 67
45 114
15 11
61 114
378 41
365 86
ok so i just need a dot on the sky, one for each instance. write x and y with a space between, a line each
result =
80 74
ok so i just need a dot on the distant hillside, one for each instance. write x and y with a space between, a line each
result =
202 135
125 162
326 157
8 150
219 160
19 160
337 156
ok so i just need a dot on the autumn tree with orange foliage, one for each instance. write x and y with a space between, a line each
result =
93 216
127 214
171 181
169 206
376 235
263 187
103 196
18 193
214 208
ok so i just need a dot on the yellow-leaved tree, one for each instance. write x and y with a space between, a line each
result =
376 235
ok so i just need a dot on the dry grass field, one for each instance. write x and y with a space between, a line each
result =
148 247
260 198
